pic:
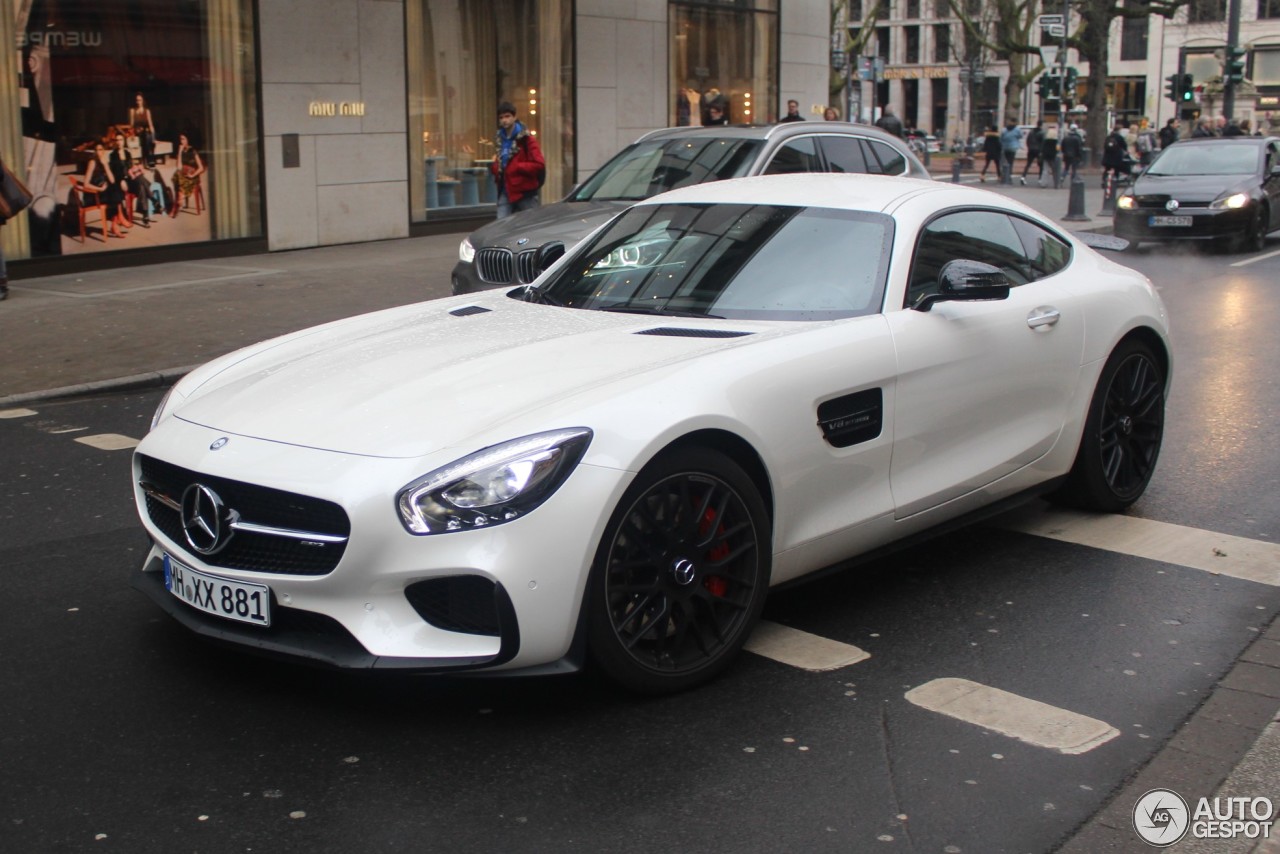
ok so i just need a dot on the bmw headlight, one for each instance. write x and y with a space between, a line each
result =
1126 202
1235 201
494 485
466 252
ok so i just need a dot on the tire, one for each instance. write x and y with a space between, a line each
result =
1255 239
1122 433
680 575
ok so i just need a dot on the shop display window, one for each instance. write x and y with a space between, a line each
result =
134 123
465 57
724 63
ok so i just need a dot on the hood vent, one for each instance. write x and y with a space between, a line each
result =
679 332
469 310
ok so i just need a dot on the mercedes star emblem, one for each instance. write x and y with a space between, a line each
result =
218 443
203 516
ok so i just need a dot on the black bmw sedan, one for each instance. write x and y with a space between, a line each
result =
1206 189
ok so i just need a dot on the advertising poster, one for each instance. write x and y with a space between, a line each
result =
115 102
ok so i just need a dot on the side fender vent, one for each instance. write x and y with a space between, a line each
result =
678 332
853 418
468 310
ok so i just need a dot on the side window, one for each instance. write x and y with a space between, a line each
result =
844 154
986 236
891 162
1045 252
797 155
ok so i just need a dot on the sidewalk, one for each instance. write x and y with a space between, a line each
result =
146 326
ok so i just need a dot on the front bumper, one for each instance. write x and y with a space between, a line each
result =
1206 224
379 606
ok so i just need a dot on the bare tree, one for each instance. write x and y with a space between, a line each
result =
855 37
1005 28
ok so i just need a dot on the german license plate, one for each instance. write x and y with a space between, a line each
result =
222 597
1169 220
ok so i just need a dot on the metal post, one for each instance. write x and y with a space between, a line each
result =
1233 38
1062 69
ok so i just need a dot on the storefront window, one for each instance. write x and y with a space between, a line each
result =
134 123
724 63
465 57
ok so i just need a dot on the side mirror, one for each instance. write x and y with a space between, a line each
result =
964 280
548 254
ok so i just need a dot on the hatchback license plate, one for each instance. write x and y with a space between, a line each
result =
1170 220
222 597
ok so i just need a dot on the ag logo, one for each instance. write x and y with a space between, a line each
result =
1161 817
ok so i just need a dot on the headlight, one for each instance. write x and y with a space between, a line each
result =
161 412
1126 203
1232 202
466 252
494 485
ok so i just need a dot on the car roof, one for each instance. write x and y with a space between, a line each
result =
778 131
846 191
1228 140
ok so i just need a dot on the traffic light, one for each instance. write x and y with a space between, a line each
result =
1187 88
1233 66
1043 88
1174 90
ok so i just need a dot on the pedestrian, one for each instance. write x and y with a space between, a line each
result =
1010 142
1246 129
1035 140
1049 157
990 151
1169 134
1146 144
1233 128
793 112
890 123
1115 155
831 114
1072 146
1203 129
517 167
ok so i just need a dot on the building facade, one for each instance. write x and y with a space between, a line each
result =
198 125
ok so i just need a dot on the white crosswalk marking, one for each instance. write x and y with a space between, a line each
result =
801 649
17 413
1238 557
1010 714
108 442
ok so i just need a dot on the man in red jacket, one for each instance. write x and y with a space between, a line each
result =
518 167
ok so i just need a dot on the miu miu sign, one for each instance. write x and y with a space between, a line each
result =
340 108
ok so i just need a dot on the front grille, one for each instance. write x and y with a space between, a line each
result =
260 505
459 603
1155 202
499 266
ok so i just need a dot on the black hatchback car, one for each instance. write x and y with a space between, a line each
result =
1206 189
505 252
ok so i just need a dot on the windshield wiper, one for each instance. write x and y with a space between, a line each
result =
538 295
653 309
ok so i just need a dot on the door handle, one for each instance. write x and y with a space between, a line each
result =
1043 316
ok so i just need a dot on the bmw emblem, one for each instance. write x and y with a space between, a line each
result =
1171 205
522 241
218 443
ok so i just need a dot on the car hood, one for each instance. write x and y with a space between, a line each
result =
1190 188
409 381
565 221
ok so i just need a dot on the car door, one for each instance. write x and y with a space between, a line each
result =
983 386
1271 182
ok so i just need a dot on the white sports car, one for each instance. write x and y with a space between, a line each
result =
725 388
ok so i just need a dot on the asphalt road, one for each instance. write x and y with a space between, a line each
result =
119 732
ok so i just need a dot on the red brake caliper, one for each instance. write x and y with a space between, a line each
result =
715 584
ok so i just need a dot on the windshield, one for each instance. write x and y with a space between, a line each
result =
1206 160
754 262
651 167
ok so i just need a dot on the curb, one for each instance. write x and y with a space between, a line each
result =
150 379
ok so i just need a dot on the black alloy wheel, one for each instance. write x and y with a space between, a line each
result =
681 573
1122 436
1256 239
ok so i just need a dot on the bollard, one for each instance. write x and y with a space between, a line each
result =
1108 194
1075 207
955 169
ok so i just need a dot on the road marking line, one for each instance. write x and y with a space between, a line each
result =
1237 557
17 413
801 649
1247 261
108 442
1009 714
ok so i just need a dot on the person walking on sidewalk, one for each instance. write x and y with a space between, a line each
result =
1049 157
1034 140
1169 134
518 167
1010 142
991 151
889 123
1072 145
